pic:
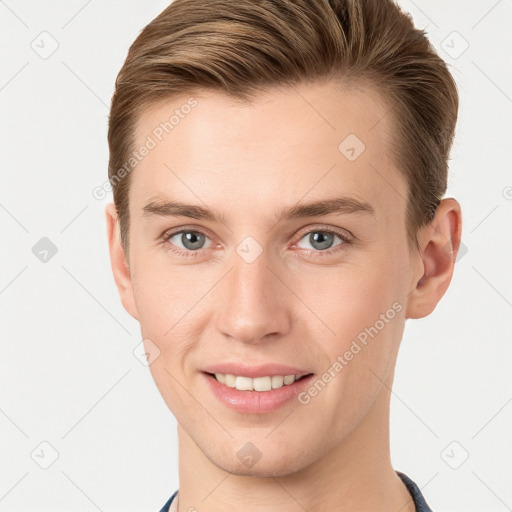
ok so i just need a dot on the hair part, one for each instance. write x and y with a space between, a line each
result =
243 47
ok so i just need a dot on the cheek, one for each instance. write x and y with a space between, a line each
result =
165 299
164 294
344 301
167 304
365 318
360 320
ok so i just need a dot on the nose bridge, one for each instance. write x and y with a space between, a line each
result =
251 298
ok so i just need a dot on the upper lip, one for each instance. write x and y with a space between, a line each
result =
263 370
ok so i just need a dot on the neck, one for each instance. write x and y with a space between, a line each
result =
356 475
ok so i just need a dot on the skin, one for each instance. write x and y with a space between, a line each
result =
292 305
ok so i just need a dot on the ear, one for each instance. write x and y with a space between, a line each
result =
118 261
439 243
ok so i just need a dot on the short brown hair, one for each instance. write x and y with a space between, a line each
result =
240 47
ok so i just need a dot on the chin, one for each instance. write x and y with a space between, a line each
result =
278 466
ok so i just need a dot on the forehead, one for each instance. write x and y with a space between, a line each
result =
286 143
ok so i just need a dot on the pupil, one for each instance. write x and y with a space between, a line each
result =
191 240
324 240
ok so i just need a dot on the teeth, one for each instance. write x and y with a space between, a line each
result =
256 384
277 381
230 380
243 383
289 379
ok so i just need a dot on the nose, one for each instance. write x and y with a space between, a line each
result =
252 302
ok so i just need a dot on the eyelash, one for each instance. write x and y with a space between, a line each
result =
344 236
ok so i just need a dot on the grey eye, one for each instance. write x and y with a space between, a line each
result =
190 240
321 240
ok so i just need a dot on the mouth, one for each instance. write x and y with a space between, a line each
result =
257 395
259 384
256 388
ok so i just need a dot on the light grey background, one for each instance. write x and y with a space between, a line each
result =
69 376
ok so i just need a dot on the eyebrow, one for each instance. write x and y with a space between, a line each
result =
338 205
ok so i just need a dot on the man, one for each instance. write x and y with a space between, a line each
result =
279 170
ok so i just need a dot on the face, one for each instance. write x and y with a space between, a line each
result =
292 258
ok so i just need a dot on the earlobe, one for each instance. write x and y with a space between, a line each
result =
118 261
439 243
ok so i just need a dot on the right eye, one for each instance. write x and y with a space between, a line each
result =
186 242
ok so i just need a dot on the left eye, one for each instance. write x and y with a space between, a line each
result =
321 240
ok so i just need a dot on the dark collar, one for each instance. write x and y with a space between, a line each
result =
419 500
414 491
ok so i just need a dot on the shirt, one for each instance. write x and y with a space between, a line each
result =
414 491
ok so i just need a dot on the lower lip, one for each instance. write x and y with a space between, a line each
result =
256 402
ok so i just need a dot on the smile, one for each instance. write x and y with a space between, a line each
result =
256 395
258 383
